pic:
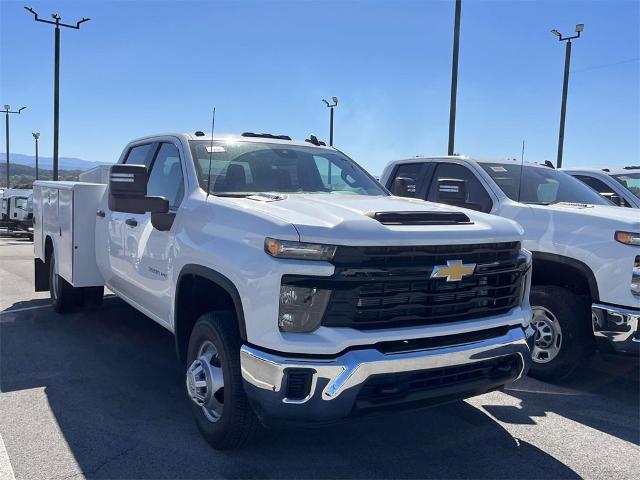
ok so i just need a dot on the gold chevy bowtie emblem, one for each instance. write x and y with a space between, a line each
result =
453 271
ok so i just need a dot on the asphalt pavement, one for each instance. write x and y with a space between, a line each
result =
99 394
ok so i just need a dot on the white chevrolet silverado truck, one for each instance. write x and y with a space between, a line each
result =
620 185
586 252
297 287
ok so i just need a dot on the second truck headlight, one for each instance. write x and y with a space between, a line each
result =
301 308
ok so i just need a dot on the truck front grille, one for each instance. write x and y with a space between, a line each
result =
388 287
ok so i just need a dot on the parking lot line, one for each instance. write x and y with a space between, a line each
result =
6 470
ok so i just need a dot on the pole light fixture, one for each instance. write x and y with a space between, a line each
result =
331 106
56 76
7 112
565 85
36 136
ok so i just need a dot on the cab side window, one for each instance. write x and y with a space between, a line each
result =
455 184
602 188
407 179
138 155
598 185
165 177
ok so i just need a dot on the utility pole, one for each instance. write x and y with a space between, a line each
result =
565 86
454 79
56 78
36 136
7 112
331 107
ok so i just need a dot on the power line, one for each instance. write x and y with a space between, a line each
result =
597 67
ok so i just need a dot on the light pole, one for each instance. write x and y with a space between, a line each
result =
565 86
36 136
7 112
454 78
56 77
331 107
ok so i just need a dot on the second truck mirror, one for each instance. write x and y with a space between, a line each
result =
128 191
404 187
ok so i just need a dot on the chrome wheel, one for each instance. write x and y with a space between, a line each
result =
205 382
548 336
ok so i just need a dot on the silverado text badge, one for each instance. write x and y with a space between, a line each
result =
453 271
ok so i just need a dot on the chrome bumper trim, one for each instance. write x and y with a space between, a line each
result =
337 381
618 326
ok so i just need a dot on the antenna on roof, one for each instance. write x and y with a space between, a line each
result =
213 125
521 170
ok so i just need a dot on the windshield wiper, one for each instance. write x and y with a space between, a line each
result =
538 203
232 194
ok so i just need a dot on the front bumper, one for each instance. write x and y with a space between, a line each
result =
363 380
616 328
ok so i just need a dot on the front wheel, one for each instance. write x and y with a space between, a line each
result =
214 382
563 339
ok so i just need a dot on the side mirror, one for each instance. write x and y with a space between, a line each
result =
128 191
613 197
404 187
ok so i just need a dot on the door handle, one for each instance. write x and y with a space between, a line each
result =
100 213
132 222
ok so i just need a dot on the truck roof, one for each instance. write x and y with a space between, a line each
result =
235 137
607 170
464 158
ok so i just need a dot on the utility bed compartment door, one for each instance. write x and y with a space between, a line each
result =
66 212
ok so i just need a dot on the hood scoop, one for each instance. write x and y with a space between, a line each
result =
267 197
421 218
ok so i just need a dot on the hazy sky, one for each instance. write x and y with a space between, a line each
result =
142 67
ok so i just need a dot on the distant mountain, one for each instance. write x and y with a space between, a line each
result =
65 163
22 176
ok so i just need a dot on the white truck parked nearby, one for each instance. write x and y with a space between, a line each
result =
298 288
17 210
586 252
620 185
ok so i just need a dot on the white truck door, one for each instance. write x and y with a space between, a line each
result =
111 228
150 252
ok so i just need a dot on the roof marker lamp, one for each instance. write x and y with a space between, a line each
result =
628 238
298 250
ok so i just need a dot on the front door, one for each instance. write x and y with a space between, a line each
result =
110 229
149 252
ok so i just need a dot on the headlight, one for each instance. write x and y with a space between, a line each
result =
301 308
628 238
298 250
635 277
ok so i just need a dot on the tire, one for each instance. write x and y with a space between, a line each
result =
558 352
91 297
63 295
226 420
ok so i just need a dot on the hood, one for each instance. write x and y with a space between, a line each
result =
618 218
348 220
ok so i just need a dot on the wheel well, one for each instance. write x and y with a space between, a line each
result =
573 276
195 296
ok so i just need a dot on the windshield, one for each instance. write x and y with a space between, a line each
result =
631 181
245 168
541 185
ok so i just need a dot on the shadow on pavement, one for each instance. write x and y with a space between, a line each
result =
116 391
605 396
